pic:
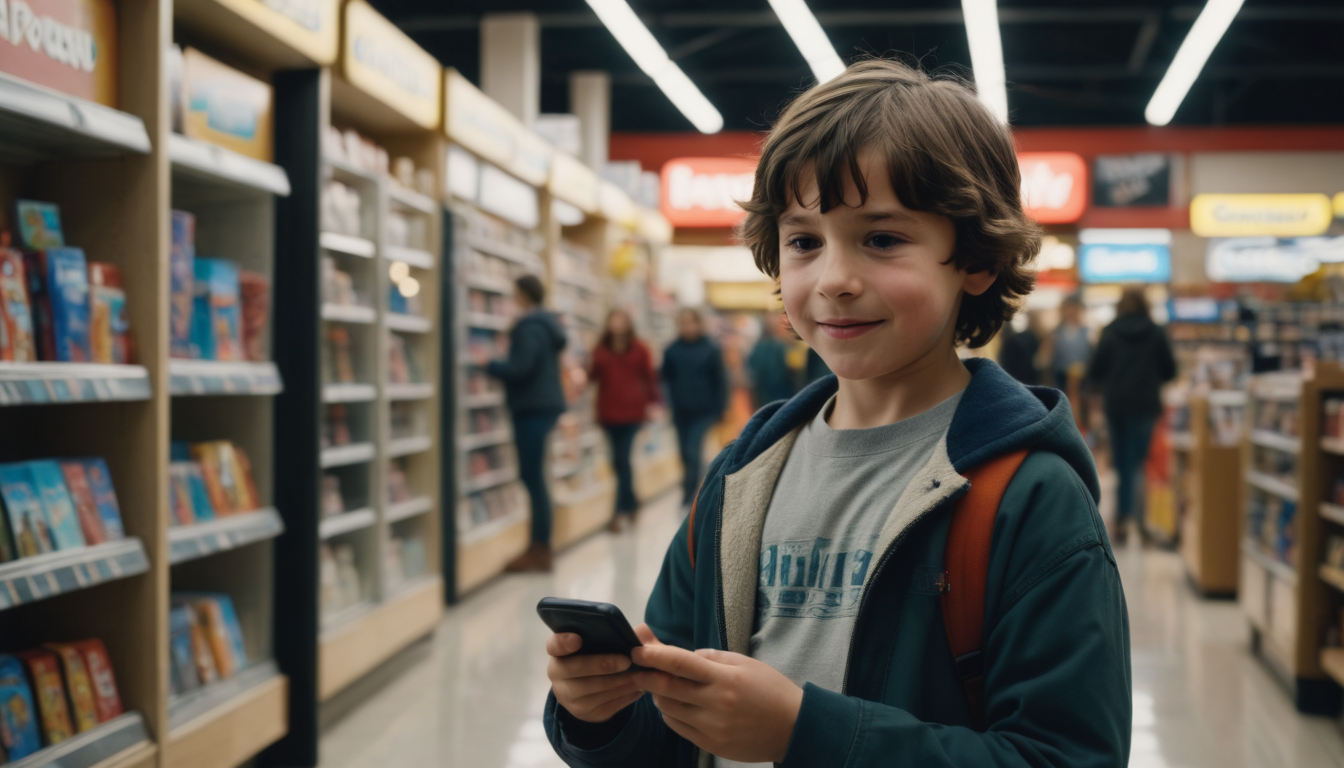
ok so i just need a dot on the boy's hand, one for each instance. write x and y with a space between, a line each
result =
729 705
592 688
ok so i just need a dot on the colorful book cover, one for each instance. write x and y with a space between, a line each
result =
216 321
90 522
106 697
254 296
179 494
7 549
61 514
44 674
78 685
23 508
206 667
68 288
39 224
182 283
184 677
210 617
19 733
201 505
248 498
105 496
15 314
108 327
233 629
39 303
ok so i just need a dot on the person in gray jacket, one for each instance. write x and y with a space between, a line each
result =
531 376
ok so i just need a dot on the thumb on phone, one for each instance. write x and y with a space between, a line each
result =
646 635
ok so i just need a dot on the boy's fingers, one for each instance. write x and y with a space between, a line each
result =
722 657
670 686
561 667
680 710
598 698
563 644
579 687
677 661
646 635
685 730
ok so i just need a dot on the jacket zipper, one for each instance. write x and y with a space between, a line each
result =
867 589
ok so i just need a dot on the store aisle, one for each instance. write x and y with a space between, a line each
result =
475 701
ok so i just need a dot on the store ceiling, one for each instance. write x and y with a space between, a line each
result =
1069 62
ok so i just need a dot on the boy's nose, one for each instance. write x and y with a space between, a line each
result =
839 276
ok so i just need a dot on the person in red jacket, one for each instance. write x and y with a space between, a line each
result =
627 388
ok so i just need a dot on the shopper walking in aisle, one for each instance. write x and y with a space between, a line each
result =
1020 351
1071 349
697 388
768 363
627 389
842 593
531 376
1132 362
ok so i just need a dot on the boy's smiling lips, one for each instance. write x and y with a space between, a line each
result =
846 327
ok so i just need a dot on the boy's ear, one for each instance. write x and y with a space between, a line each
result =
977 283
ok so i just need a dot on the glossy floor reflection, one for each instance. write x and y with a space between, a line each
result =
1200 699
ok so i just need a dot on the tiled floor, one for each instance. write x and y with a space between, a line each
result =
1200 700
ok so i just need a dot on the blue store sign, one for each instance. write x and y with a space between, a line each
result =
1124 263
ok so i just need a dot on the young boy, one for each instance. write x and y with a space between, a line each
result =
797 619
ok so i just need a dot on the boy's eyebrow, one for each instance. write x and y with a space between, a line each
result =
792 219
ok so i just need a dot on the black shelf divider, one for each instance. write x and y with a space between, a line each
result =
448 363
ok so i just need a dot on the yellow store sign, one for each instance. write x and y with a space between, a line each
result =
1260 215
382 61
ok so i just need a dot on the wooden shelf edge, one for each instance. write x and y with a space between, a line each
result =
234 732
483 559
356 648
1331 575
1332 661
142 755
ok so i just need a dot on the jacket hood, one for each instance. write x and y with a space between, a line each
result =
1134 326
997 415
549 322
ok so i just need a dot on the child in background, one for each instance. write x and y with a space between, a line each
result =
798 617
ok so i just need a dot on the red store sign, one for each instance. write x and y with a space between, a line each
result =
703 191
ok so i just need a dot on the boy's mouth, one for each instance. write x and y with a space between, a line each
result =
847 328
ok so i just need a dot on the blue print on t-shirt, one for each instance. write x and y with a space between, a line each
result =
814 578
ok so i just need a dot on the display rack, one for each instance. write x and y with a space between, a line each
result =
582 483
1206 450
105 168
1327 456
1279 589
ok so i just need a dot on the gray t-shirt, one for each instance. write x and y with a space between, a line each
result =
819 544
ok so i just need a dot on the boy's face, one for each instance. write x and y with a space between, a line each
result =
871 288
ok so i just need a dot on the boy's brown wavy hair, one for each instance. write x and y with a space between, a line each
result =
946 155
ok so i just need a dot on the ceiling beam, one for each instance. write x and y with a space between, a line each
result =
450 22
1143 42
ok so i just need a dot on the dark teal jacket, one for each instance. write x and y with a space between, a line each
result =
1056 651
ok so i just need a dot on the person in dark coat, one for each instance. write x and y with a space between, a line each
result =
531 376
768 364
1018 352
627 388
1132 361
697 389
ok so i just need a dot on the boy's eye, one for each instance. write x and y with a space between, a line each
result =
885 241
803 243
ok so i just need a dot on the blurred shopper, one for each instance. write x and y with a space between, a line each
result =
1072 348
531 376
768 364
1020 351
1132 362
697 389
627 388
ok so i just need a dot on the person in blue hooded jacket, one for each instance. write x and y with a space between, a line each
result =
798 619
697 390
532 388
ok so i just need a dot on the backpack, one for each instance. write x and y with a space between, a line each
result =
966 560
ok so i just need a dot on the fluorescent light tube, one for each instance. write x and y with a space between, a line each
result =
982 31
811 40
1194 52
637 41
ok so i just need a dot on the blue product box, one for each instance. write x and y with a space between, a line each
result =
216 321
181 284
23 507
49 481
105 496
68 286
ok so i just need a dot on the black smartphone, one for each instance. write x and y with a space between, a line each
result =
601 625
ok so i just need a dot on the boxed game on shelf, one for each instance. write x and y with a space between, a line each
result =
222 106
407 420
52 505
1275 463
339 361
404 560
49 694
402 365
205 641
55 305
338 286
341 580
1271 522
477 509
349 147
336 426
342 208
1278 416
217 311
208 480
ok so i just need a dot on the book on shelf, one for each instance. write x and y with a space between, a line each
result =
109 330
333 503
58 294
16 317
78 684
53 710
81 493
49 482
39 224
20 734
217 621
181 283
254 297
216 321
24 511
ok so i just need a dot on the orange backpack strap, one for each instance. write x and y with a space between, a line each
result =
966 561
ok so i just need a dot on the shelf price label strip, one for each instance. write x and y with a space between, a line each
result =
72 576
